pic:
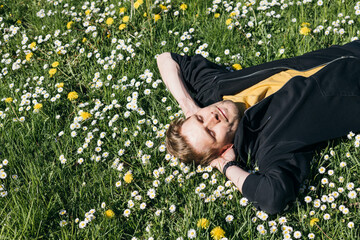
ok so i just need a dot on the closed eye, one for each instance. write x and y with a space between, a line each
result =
212 133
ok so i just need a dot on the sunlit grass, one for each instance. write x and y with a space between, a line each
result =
60 173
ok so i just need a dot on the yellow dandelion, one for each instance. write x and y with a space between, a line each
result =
157 17
217 233
216 15
163 7
59 85
237 66
69 24
28 56
232 14
228 21
52 71
305 31
55 64
18 21
122 10
203 223
313 221
128 177
109 21
9 100
87 12
109 213
38 106
145 14
305 24
125 19
84 40
32 45
72 96
137 4
122 26
183 6
85 115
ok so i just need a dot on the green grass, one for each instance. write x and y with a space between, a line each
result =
38 186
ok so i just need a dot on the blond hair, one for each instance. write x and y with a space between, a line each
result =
178 146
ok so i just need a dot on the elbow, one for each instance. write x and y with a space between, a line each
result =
269 194
273 206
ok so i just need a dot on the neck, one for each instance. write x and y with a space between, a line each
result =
241 106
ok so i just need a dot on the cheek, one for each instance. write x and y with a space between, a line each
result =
222 133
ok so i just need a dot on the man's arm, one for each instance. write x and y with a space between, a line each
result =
234 173
170 73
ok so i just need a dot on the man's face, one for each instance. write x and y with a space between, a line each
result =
212 127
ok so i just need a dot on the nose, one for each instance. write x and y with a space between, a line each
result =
212 120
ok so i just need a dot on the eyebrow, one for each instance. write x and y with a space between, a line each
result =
205 128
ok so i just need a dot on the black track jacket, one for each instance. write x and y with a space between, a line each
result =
279 133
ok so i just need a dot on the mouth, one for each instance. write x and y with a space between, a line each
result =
222 113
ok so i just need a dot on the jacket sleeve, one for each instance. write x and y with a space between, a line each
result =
199 77
271 190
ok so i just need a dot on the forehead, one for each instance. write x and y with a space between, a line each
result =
196 134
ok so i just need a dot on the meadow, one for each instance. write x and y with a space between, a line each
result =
83 116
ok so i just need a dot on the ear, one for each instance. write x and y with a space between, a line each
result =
226 148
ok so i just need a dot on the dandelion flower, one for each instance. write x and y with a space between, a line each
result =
28 56
126 19
137 4
183 6
55 64
128 177
32 45
157 17
109 213
313 221
72 96
109 21
228 21
237 66
122 26
69 24
217 233
52 71
305 31
38 106
85 115
203 223
9 100
216 15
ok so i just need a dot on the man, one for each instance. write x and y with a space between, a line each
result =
282 111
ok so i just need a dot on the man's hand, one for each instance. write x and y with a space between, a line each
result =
227 156
189 108
234 173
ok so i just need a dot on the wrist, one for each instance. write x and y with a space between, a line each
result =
223 164
228 165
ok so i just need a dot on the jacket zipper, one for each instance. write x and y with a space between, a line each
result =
286 68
